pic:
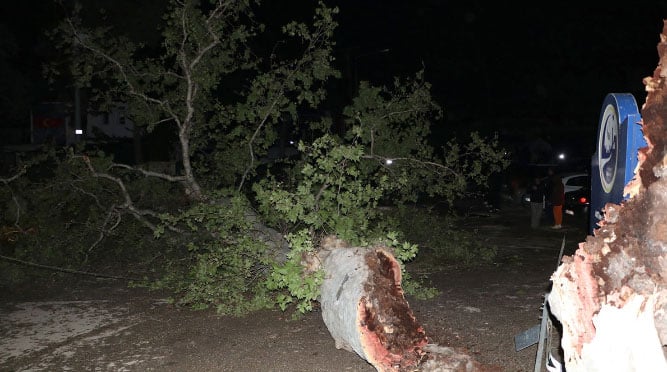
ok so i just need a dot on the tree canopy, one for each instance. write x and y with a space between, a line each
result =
230 89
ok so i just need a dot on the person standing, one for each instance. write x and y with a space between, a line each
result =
557 200
536 195
548 191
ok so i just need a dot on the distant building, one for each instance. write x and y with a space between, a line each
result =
53 123
50 123
109 125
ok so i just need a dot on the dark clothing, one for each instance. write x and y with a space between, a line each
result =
548 188
557 196
536 194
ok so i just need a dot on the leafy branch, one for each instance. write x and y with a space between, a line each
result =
285 76
128 205
22 171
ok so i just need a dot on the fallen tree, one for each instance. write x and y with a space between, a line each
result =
611 295
364 308
227 91
366 313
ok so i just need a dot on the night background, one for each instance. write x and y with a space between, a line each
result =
533 74
222 178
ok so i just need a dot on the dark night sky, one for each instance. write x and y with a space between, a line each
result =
541 70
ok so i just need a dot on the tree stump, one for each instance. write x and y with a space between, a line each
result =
366 313
364 308
611 295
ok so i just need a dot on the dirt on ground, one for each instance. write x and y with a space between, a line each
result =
86 324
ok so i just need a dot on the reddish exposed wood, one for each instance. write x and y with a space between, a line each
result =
576 277
611 296
388 326
364 308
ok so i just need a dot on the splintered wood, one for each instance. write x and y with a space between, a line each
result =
364 308
611 295
366 313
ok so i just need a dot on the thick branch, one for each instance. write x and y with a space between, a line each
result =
386 160
6 182
187 72
13 178
103 229
65 270
267 113
148 173
252 140
393 113
122 70
128 205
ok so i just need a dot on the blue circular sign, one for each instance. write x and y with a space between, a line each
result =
608 148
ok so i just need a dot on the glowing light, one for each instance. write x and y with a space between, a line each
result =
389 162
78 131
561 156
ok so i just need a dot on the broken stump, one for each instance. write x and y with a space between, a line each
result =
366 313
364 308
611 295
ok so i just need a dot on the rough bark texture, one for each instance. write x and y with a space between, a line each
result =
366 313
611 295
364 308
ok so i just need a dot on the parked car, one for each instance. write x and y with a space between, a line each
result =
575 181
576 186
578 202
577 194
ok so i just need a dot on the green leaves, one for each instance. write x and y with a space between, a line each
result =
227 265
229 92
394 127
332 193
403 251
301 285
264 99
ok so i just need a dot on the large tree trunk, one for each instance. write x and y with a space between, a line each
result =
611 295
364 308
365 311
193 189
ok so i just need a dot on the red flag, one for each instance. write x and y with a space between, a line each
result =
47 122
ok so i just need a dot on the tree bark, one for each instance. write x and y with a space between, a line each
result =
364 308
193 190
611 295
366 313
